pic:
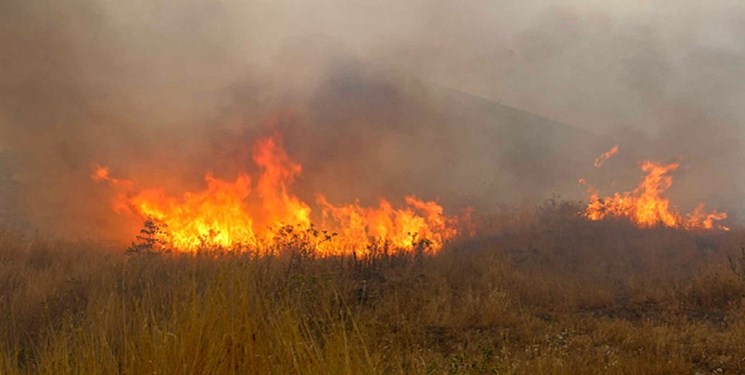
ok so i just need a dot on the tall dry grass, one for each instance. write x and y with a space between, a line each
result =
545 292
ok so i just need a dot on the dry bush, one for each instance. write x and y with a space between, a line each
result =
544 292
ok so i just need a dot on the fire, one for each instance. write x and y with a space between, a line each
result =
605 156
402 227
101 173
256 215
646 207
216 215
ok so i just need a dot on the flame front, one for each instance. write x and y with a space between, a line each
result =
216 215
646 207
239 213
402 227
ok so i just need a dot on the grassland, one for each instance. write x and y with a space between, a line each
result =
543 292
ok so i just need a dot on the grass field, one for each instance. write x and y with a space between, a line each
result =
544 292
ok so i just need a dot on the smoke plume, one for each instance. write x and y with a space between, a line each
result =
485 103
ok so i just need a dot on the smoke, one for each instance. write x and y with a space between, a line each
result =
486 103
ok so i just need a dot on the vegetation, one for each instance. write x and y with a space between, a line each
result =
545 292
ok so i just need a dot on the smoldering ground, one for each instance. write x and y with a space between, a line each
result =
486 104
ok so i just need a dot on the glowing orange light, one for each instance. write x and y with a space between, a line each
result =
605 156
239 213
646 207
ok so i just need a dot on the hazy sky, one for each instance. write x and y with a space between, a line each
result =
86 81
595 64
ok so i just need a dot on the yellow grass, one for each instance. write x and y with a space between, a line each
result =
543 295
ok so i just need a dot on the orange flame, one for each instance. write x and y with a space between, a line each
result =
646 207
216 215
231 213
402 228
605 156
100 174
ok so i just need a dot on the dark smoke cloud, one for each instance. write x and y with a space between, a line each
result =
487 103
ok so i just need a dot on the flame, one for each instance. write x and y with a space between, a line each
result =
100 174
646 207
259 215
605 156
402 228
215 215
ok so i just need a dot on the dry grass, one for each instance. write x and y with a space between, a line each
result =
548 293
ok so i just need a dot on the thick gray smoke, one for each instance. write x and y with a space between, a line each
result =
483 103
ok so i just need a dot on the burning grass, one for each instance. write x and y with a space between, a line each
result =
547 292
647 207
242 214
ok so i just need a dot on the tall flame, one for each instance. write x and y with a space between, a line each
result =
646 207
230 213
